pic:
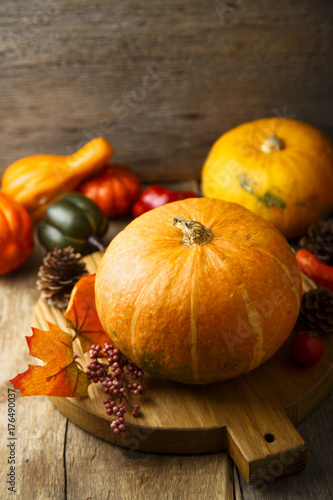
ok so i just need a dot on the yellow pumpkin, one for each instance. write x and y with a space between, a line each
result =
281 169
198 290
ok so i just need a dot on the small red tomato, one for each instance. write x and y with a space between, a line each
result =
156 196
307 348
182 195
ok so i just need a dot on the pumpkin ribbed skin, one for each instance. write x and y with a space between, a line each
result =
198 314
115 189
291 185
16 234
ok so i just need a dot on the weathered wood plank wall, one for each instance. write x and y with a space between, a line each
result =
160 80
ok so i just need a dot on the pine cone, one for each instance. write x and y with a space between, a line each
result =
317 310
60 271
319 240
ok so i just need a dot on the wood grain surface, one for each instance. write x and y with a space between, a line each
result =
58 460
234 415
160 80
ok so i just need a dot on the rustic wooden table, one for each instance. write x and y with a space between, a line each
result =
161 81
57 460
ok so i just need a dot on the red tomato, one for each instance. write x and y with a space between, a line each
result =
156 196
307 348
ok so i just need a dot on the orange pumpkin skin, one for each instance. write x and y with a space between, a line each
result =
281 169
115 189
16 234
198 314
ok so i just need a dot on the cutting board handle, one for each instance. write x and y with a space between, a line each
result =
264 444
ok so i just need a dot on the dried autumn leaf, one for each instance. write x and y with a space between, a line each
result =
81 314
61 375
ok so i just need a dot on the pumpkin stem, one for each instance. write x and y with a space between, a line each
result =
272 144
194 233
94 241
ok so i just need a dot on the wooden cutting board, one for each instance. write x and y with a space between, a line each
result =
252 417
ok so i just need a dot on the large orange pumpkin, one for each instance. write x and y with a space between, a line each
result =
281 169
198 290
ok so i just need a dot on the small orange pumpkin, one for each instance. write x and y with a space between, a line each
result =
198 290
281 169
39 180
114 189
16 234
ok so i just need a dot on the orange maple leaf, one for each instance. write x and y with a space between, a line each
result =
61 375
81 314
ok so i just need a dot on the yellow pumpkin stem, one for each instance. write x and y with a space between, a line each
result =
194 233
272 144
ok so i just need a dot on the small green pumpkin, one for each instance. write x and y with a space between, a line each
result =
74 220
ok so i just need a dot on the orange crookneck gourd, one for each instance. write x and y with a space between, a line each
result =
281 169
39 180
198 290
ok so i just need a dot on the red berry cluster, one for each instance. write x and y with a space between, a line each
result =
113 377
